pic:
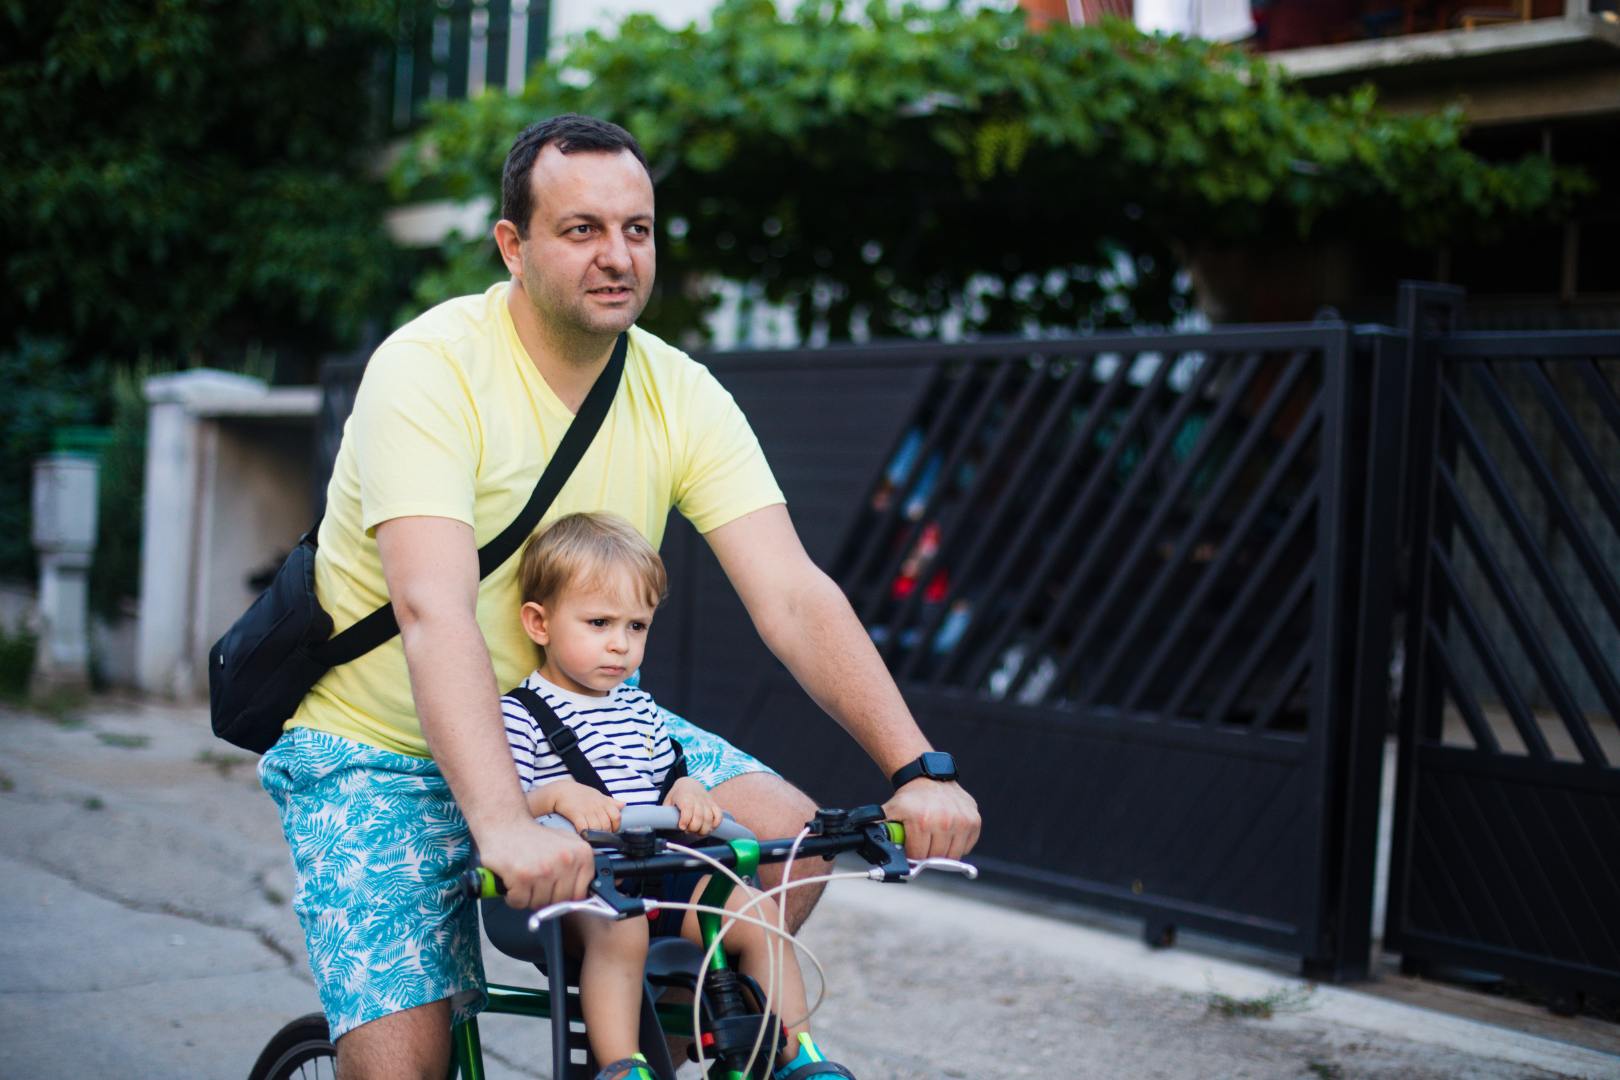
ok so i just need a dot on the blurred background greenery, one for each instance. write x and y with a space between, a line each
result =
197 182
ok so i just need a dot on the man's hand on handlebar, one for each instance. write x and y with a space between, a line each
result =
539 866
941 819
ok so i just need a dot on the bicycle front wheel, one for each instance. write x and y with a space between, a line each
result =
302 1050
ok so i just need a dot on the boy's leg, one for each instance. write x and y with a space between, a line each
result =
409 1045
613 956
751 944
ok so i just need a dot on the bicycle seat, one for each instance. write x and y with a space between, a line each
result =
507 928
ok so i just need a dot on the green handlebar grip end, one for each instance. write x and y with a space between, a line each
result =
486 883
897 831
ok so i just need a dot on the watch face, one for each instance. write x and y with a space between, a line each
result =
939 765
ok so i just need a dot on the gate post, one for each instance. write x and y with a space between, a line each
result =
1426 310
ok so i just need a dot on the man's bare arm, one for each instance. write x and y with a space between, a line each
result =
431 567
807 622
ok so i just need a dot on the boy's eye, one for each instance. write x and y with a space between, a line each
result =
598 623
638 627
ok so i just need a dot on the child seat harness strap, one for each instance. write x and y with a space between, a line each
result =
565 744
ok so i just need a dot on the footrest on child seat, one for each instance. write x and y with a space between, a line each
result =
819 1068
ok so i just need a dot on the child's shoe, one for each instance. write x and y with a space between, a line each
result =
630 1068
808 1062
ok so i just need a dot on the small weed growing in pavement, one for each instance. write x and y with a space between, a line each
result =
1327 1070
123 741
61 707
224 764
274 896
94 803
7 783
1262 1007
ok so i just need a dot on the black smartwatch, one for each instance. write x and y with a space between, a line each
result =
935 764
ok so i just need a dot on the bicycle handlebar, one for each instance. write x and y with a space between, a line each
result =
638 853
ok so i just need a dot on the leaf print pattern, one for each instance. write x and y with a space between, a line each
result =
377 842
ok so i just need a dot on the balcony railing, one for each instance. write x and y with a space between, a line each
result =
452 49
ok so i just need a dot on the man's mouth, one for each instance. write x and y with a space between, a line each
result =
611 292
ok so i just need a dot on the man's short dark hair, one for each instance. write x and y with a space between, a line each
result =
573 134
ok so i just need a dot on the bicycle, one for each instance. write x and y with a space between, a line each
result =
728 1020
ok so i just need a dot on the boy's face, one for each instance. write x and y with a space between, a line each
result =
594 635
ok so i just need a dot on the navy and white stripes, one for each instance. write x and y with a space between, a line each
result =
621 734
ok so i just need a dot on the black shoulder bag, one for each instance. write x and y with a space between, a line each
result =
262 667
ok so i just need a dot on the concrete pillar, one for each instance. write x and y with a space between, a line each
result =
227 493
64 534
163 664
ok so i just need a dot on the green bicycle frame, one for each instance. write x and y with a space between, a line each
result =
467 1055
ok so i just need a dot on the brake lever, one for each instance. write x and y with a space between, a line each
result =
592 905
954 866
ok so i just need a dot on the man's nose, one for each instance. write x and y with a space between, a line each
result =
614 253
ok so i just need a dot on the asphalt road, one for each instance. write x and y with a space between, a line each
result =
149 935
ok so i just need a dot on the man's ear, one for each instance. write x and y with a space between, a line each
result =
510 245
534 623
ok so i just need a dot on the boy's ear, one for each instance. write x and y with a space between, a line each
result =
534 623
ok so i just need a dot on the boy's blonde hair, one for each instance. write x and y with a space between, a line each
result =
579 550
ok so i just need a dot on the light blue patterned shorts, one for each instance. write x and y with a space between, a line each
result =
377 842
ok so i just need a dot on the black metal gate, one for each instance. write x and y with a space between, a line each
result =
1507 841
1111 575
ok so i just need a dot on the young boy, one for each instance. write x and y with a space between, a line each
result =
590 584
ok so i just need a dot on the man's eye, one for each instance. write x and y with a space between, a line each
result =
580 230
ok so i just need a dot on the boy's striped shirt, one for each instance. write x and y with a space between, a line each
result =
621 734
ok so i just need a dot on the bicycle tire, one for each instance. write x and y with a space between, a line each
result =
302 1050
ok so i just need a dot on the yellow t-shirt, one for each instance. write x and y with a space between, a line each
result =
453 420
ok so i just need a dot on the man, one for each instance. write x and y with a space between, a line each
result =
393 759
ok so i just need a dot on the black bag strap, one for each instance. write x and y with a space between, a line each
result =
677 769
376 628
563 739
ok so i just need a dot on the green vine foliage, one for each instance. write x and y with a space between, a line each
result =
190 177
904 171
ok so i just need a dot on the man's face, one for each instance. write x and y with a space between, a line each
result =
589 260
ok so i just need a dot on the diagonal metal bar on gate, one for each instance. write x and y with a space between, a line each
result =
1467 614
1261 646
1141 472
1523 626
1601 391
986 525
1257 580
1073 453
1579 447
1166 502
953 519
1569 521
944 479
1467 705
1215 572
991 651
1285 686
888 525
1210 503
1574 626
